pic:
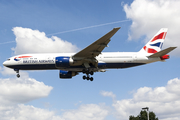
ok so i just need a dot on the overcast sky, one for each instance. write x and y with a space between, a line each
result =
44 26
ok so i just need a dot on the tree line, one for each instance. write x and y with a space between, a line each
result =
143 116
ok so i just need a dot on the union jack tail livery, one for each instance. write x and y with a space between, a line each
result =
155 44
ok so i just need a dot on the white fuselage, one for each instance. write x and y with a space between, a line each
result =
106 60
91 59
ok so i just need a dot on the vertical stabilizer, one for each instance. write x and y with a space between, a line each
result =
155 44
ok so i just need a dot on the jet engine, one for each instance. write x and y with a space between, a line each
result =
63 62
66 74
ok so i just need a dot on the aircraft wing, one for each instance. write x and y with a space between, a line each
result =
97 47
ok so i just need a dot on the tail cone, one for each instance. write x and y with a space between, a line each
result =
164 57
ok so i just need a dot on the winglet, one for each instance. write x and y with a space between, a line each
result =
117 28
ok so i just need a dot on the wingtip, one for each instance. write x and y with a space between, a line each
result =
117 28
173 48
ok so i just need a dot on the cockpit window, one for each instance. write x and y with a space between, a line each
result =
8 59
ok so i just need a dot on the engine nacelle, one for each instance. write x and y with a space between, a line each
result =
66 74
63 62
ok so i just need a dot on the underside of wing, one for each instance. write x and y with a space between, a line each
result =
97 47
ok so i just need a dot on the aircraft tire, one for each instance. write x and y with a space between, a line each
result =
91 79
18 75
84 77
91 73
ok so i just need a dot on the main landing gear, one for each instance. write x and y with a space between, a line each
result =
17 71
88 73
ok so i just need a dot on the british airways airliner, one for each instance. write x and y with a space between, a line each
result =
91 59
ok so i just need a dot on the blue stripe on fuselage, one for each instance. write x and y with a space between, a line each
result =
52 66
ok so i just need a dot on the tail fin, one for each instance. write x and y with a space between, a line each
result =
155 44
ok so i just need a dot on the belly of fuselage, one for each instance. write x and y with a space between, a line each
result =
53 66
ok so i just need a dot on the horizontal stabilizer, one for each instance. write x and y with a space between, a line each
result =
162 52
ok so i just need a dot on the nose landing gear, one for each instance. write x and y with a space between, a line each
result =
18 75
17 71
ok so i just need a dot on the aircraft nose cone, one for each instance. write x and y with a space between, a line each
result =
5 63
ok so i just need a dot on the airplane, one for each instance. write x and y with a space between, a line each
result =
91 59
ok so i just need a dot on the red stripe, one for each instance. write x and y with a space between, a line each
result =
144 47
164 35
160 36
24 56
164 57
151 50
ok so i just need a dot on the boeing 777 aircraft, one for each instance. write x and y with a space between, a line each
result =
91 59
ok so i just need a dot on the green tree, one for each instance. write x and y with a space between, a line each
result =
152 116
143 116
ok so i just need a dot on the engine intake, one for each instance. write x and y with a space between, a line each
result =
63 62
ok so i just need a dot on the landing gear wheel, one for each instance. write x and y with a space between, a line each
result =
91 72
18 75
17 71
88 72
91 79
84 77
